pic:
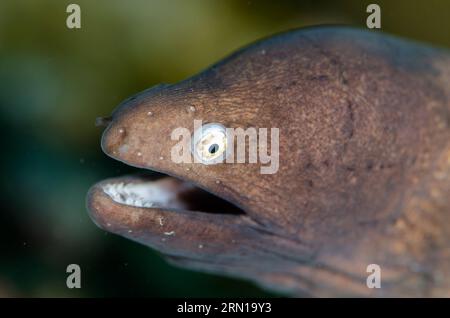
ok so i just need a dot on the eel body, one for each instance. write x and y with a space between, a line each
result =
363 175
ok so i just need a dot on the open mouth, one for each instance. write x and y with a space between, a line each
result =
164 192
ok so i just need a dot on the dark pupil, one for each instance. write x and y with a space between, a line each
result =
213 148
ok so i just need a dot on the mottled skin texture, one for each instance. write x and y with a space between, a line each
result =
364 171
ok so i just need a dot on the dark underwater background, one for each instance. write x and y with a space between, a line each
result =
55 81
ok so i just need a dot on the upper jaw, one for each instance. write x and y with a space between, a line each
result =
139 192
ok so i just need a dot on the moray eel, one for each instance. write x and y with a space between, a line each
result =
363 174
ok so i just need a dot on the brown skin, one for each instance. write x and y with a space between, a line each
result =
364 171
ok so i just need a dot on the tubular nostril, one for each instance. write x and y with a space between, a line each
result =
103 121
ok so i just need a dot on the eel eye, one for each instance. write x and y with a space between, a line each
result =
209 143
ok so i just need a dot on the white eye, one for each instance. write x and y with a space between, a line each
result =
209 143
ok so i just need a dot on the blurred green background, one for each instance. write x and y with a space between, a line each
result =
55 81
